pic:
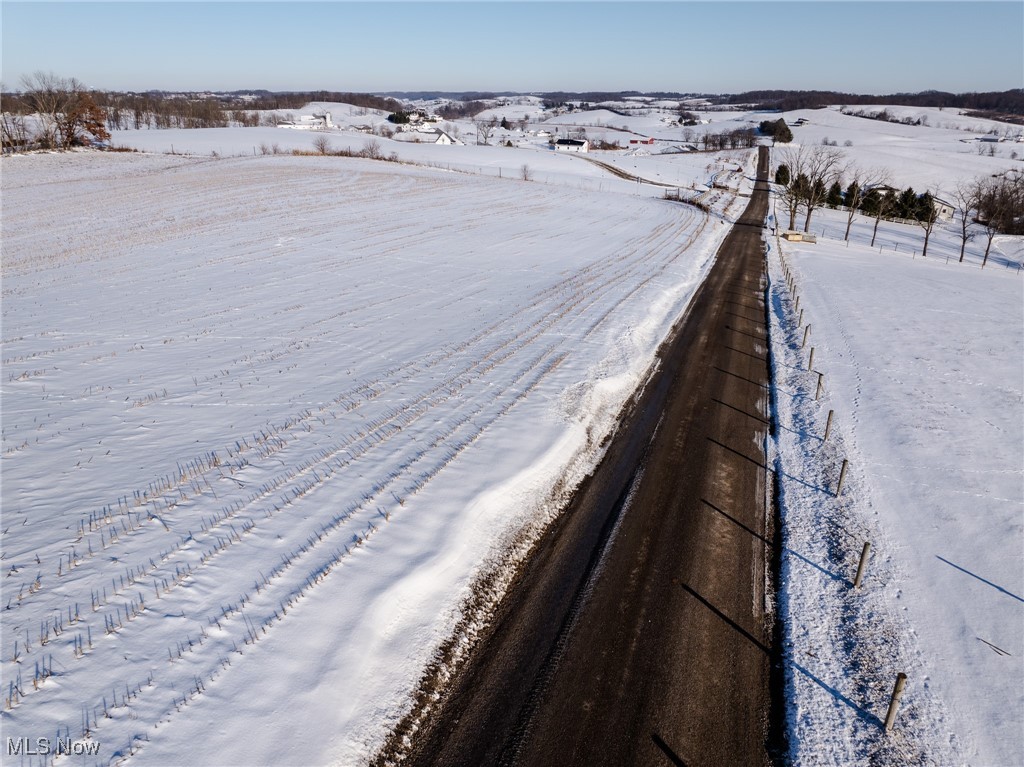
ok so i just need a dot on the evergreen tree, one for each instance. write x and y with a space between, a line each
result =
816 191
834 198
890 204
801 185
852 195
782 175
871 202
906 204
777 129
925 207
782 134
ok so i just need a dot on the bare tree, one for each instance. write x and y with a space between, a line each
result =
1000 208
822 167
861 180
926 218
371 149
789 195
525 172
989 213
14 134
965 195
49 97
883 205
64 110
483 131
322 144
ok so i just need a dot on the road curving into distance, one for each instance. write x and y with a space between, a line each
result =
637 631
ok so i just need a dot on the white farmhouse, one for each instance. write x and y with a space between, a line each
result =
943 210
425 135
447 139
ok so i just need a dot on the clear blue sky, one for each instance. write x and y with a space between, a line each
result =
864 47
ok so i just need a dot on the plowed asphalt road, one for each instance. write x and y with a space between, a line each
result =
637 634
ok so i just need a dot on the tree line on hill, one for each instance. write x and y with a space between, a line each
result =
1005 102
59 105
265 100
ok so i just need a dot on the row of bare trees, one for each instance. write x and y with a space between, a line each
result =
985 206
810 177
134 111
809 173
740 138
813 179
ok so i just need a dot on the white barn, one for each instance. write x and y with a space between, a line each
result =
572 145
309 122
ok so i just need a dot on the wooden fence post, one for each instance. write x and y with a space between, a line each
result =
807 330
860 567
897 693
810 361
842 477
828 426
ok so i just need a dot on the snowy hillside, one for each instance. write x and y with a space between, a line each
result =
935 154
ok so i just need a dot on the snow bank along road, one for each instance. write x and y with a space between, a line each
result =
637 633
265 418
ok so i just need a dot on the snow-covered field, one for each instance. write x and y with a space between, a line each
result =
935 154
265 420
923 364
694 174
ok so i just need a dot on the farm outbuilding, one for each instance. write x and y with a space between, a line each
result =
309 122
572 145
